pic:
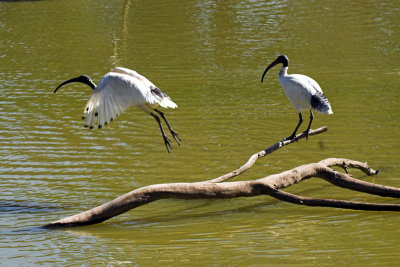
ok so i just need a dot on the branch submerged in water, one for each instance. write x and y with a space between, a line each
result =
271 185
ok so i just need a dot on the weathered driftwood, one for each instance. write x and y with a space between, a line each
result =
263 153
271 185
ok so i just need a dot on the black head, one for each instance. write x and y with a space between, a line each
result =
81 79
281 59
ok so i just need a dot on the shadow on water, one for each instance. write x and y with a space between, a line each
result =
30 230
27 207
10 1
24 207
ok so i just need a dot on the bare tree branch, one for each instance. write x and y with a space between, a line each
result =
271 185
263 153
345 163
346 181
300 200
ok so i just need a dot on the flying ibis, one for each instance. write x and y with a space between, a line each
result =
120 89
303 92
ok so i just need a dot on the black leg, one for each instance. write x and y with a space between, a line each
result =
297 127
174 134
309 125
166 139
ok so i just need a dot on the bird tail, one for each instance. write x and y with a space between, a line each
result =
161 98
166 102
320 103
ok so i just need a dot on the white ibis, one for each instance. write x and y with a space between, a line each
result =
118 90
303 92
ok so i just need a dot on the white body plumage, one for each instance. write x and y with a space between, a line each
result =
301 89
118 90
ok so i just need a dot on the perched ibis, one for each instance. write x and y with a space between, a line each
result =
303 92
120 89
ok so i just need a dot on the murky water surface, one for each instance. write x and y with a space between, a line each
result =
208 56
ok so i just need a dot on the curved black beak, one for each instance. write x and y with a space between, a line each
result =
81 79
73 80
269 67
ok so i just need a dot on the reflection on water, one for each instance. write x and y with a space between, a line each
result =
208 57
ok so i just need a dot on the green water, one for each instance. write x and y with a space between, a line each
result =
208 56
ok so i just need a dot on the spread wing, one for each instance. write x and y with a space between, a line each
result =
119 90
114 94
135 75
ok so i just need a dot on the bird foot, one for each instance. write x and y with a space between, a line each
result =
291 138
167 143
306 132
176 137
